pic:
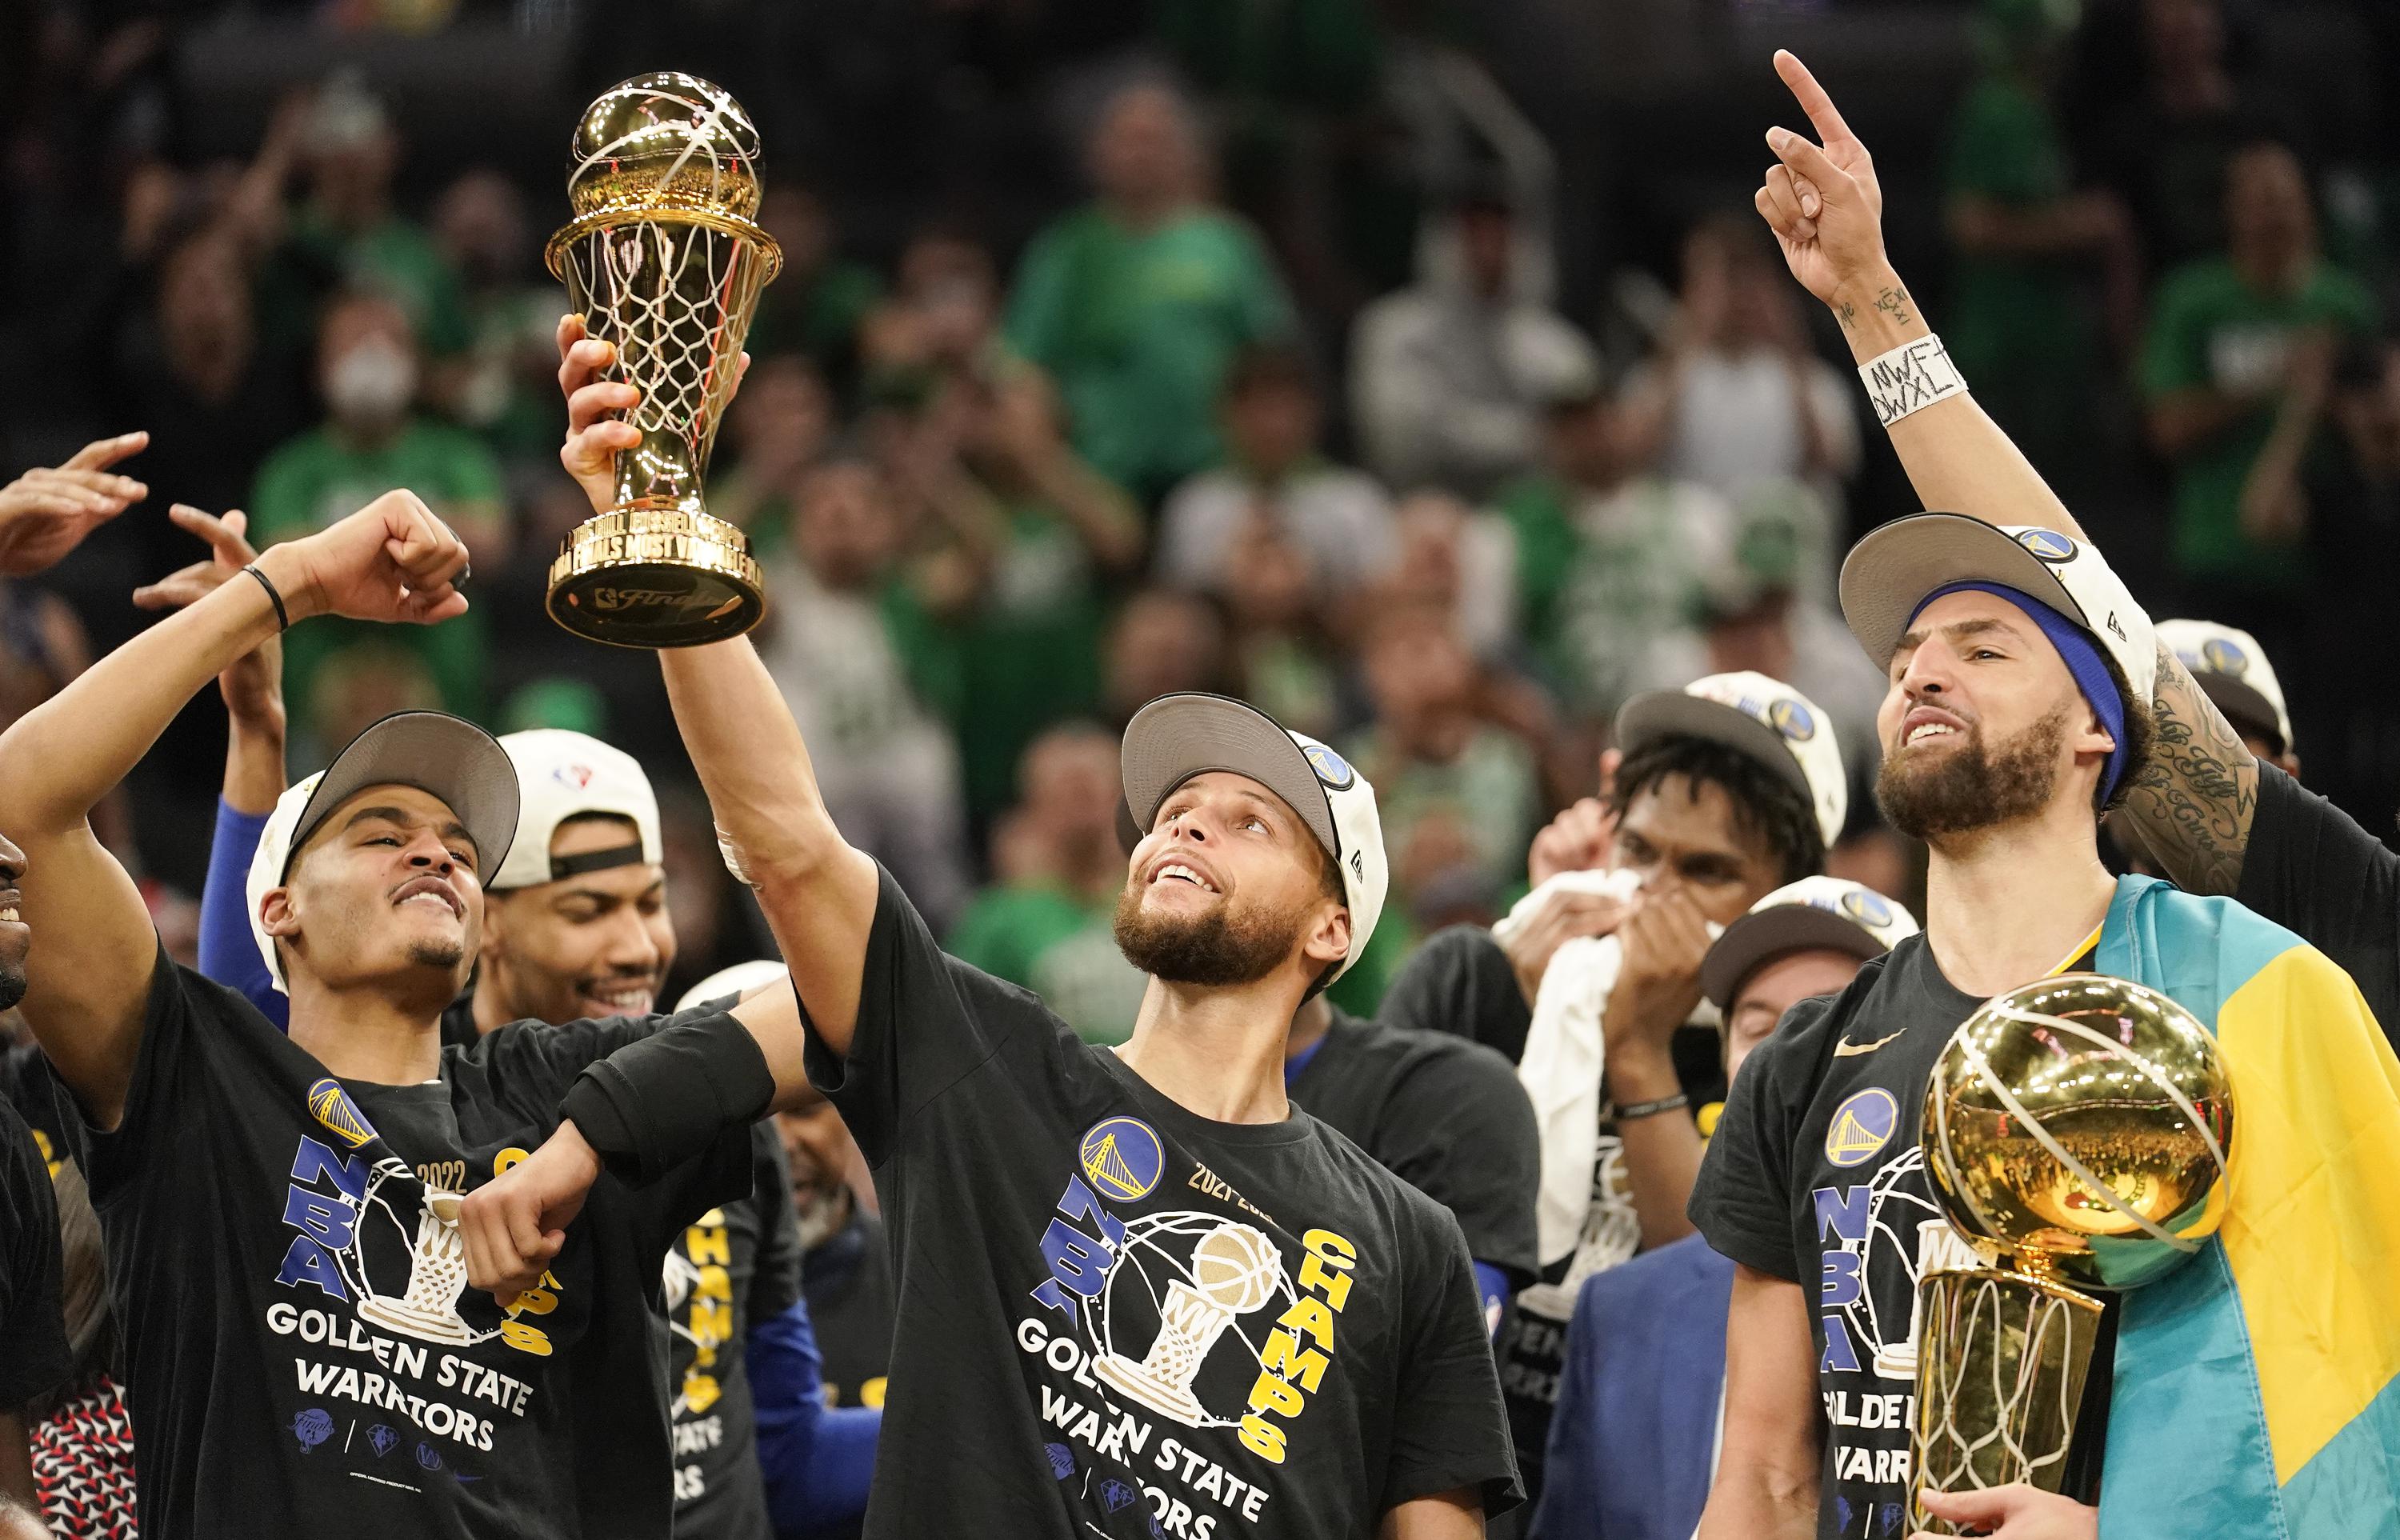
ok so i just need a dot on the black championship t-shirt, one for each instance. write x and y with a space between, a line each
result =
2310 868
1814 1176
34 1355
306 1355
1120 1319
738 1263
852 1300
1444 1115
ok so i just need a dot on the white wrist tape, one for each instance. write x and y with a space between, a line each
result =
1910 379
732 857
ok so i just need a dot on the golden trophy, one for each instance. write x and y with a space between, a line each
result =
2076 1130
664 260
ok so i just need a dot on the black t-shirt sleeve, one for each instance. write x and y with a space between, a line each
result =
1458 1127
34 1352
2310 868
186 1025
1460 982
775 1284
1743 1201
925 1020
1450 1428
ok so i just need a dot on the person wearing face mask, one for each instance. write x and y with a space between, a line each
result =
368 371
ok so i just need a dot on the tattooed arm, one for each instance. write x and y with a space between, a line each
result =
2191 808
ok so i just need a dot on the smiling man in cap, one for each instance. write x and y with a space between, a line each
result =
280 1212
2019 712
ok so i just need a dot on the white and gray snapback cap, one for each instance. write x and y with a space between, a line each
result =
1177 736
1763 718
438 753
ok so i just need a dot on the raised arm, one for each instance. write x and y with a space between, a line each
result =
91 970
1766 1480
2192 807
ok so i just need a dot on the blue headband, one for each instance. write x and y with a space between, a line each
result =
2080 654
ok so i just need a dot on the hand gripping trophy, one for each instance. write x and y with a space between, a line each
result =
664 260
2077 1128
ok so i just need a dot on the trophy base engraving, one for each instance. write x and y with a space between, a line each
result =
654 576
2001 1360
1151 1390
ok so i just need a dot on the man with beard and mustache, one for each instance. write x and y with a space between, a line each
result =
2212 812
2249 1391
34 1352
1140 1292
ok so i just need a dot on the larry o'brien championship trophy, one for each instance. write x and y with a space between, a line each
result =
2076 1130
663 259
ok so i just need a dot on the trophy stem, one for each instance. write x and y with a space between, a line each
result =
2001 1360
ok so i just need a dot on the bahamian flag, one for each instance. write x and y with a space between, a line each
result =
2257 1386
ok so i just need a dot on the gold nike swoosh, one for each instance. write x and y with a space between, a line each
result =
1845 1048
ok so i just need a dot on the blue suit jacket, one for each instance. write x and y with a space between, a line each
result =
1637 1416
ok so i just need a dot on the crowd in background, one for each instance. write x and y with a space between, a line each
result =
1244 368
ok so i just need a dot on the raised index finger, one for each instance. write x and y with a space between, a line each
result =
102 452
1823 114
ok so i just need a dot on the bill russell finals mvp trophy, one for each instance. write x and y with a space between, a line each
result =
2076 1130
663 259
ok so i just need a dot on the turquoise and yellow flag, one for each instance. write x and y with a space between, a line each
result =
2257 1386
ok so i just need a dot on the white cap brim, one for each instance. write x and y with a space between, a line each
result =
1659 713
1177 736
442 755
563 775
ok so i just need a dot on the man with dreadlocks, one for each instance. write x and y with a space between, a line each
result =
1723 792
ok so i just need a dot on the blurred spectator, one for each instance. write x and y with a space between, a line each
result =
1448 377
371 442
2165 149
2236 369
349 234
1048 919
1288 664
1738 396
1609 555
781 425
852 642
846 1269
816 303
1028 646
503 382
1459 797
2019 320
1162 642
1136 303
1462 562
1276 479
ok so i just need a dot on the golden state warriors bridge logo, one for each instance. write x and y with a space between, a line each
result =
1862 1125
1122 1158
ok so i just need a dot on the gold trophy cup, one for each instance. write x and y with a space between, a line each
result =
664 260
2076 1130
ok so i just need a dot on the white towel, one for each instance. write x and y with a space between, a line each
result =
1561 1070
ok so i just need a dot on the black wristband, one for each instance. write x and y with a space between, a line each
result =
282 617
654 1104
1649 1108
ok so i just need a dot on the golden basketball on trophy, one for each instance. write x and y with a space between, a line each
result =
665 261
2076 1131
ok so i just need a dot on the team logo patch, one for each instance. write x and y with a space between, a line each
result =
333 1107
2220 655
1792 718
1123 1158
1862 1125
1330 767
312 1427
2048 544
1868 909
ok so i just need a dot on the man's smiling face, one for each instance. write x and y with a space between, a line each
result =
596 944
1228 885
386 886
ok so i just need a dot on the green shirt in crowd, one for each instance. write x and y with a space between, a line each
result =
319 479
1136 327
1061 946
2209 330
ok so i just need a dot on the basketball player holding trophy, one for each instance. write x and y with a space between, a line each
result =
2213 1401
1140 1293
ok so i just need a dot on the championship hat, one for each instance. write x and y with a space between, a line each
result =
438 753
2232 668
1763 718
1890 573
1827 913
563 775
1177 736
